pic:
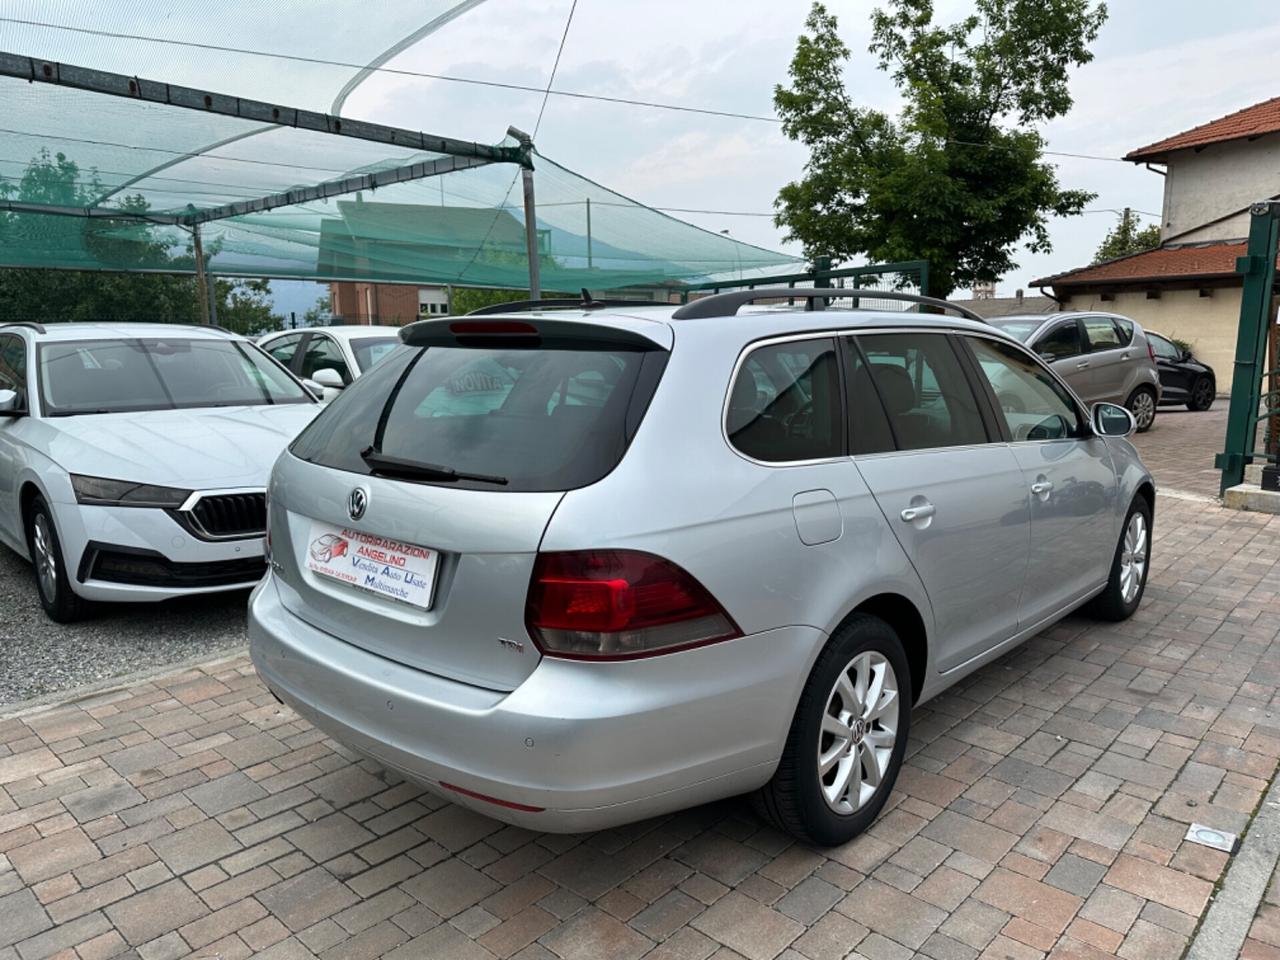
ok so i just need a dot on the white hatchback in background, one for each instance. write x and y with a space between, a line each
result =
134 458
331 357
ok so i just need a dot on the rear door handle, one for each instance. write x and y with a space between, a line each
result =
1041 487
1082 364
922 512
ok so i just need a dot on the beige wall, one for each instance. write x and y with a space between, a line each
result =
1220 179
1209 324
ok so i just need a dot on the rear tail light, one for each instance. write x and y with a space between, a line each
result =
1151 351
619 604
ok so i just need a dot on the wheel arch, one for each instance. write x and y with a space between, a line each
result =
907 621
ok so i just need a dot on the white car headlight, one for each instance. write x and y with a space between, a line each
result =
99 491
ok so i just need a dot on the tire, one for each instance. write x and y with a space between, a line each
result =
1142 404
796 800
1202 394
60 602
1119 599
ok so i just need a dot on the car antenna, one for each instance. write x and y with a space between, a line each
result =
586 298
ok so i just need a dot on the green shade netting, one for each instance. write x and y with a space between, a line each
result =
76 149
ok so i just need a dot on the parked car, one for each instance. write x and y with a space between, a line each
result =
134 458
1183 378
608 563
331 356
1102 356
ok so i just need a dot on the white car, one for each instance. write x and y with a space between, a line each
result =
331 357
134 458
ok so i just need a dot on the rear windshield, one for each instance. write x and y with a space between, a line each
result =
152 373
520 419
1017 327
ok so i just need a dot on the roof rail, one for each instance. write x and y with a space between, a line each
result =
727 304
37 327
562 303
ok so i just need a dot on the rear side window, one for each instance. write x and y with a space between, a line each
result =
785 403
13 366
924 390
1102 334
284 348
1124 327
1061 342
539 419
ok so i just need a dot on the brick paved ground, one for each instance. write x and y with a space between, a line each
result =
1041 812
1263 942
1180 448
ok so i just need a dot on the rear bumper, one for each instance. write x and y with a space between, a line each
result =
586 745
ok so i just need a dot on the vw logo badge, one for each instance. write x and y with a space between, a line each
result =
357 501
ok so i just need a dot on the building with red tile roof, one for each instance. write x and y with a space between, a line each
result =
1188 286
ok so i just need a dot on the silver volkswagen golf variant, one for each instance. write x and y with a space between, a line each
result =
573 568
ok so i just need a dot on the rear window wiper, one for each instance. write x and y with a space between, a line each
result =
384 465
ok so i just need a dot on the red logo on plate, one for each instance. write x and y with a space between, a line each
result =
328 547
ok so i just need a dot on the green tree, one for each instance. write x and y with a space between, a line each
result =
1127 238
319 313
113 248
958 178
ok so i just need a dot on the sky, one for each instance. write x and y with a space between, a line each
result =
1160 67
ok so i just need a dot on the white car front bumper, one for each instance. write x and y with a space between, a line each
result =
140 554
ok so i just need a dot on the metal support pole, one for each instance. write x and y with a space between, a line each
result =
1258 268
202 281
531 236
589 264
530 212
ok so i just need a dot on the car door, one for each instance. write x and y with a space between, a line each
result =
1109 359
1062 347
13 376
1175 379
1068 473
955 499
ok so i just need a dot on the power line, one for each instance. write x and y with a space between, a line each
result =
554 67
394 71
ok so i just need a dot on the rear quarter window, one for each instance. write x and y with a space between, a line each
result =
542 419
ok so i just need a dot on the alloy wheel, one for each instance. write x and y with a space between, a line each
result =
1143 409
1133 557
858 733
45 561
1203 395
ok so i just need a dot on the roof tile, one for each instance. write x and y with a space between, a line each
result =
1163 263
1250 122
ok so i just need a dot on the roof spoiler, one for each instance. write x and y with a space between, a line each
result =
522 332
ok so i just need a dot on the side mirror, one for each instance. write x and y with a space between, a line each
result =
1186 355
1047 357
313 388
1112 420
328 377
10 404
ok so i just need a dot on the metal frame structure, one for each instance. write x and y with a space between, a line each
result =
1258 268
458 154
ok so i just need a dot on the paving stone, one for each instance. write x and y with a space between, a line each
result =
449 887
1075 875
306 898
225 793
593 934
94 802
1154 882
329 836
900 916
21 916
156 911
144 756
195 846
53 855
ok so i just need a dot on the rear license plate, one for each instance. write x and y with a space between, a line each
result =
389 568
